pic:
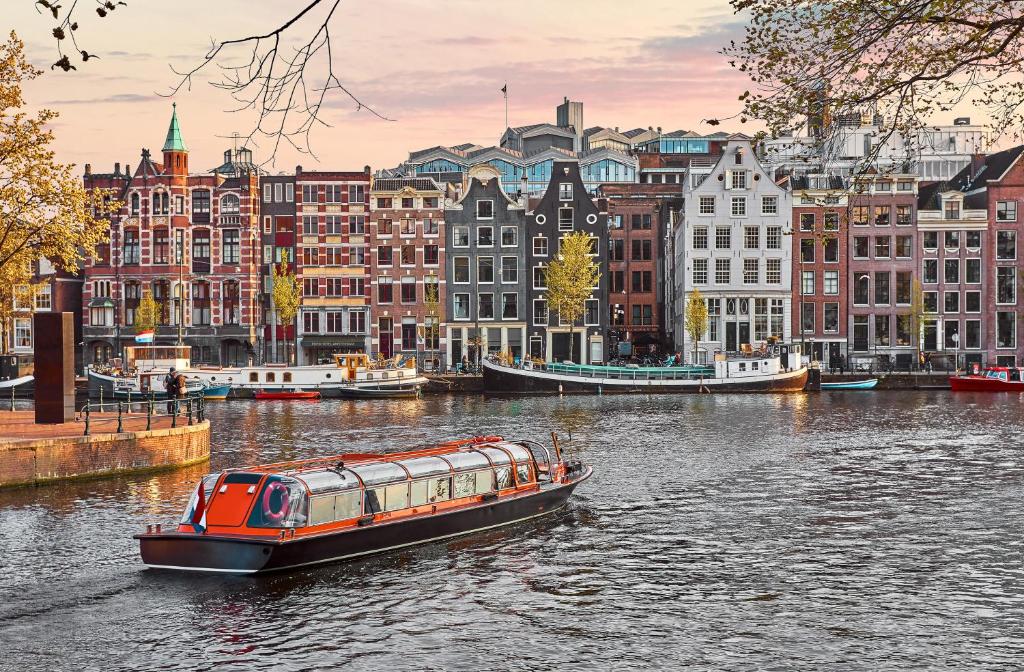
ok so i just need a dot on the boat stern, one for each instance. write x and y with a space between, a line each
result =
182 551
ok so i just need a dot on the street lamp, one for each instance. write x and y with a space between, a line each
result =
179 235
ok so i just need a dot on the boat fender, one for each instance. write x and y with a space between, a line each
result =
268 494
489 496
365 520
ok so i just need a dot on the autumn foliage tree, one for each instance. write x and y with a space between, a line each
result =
147 315
571 279
904 60
696 319
45 211
287 295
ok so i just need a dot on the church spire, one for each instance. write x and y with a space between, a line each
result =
174 142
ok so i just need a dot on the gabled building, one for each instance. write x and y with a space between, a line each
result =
331 212
277 230
407 279
192 240
732 246
567 207
485 270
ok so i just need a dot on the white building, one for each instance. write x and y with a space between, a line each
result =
733 245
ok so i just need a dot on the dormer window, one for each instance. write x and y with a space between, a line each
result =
738 179
952 209
565 191
485 209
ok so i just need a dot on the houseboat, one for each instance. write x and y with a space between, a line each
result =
993 379
777 369
295 514
348 375
151 362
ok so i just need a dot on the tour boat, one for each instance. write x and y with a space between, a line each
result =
868 384
992 379
295 514
286 394
778 370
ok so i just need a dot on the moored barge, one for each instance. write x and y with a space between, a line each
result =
295 514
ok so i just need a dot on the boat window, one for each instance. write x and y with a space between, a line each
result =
346 505
329 481
518 452
374 500
380 473
523 474
287 376
281 503
753 366
396 497
369 376
418 467
473 483
270 376
418 493
439 489
321 510
254 377
496 455
465 461
743 366
242 477
503 477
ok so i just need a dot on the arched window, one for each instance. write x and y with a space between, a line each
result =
136 204
229 205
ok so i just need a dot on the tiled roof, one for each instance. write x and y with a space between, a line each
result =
397 183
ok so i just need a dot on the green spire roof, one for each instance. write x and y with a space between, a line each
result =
174 142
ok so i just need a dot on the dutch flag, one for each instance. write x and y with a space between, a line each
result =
199 513
144 336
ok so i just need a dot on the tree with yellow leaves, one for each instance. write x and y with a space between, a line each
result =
696 319
287 296
147 315
571 279
45 211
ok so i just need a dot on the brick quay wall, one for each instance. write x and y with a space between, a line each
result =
38 454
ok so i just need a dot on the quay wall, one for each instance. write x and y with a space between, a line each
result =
36 461
896 381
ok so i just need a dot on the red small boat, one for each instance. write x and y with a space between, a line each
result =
992 379
286 394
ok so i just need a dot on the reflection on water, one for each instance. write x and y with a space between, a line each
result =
847 531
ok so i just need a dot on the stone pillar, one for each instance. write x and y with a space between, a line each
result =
54 358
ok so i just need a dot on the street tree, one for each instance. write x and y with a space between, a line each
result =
916 316
571 279
432 302
287 297
696 319
45 211
147 315
902 60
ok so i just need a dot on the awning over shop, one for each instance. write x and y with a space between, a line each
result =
101 303
323 342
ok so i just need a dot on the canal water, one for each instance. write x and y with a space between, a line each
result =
834 531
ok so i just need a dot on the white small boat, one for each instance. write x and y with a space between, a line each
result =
15 382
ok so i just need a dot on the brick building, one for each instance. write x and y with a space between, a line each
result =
820 241
407 246
192 239
331 212
638 217
277 230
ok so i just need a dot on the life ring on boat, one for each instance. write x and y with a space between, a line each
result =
277 487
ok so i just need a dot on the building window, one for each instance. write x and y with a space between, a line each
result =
357 320
831 282
333 225
136 204
565 191
972 302
540 247
738 178
310 287
335 287
408 331
485 269
485 306
952 271
335 255
751 237
700 271
722 271
333 193
485 209
904 215
751 271
509 236
951 303
903 288
951 240
1006 285
860 333
460 236
1006 211
807 250
407 255
972 334
706 205
267 186
931 302
161 246
310 256
200 303
460 267
882 288
773 238
231 302
509 306
882 215
540 311
431 255
807 283
408 289
335 321
830 323
201 251
882 323
773 272
357 194
485 236
385 290
972 239
1006 329
357 286
930 271
408 226
310 322
641 250
723 237
565 219
807 317
201 206
882 247
952 209
700 238
830 250
807 221
904 247
591 312
930 240
831 221
738 206
230 205
310 225
1006 244
131 247
860 290
540 279
860 215
509 270
385 255
44 296
769 205
231 246
642 281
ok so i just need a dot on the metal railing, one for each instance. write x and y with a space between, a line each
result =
191 409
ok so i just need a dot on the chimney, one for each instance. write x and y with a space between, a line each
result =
117 168
88 169
127 170
524 190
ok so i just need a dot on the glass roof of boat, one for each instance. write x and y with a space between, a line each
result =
378 473
496 455
518 452
328 480
464 461
425 466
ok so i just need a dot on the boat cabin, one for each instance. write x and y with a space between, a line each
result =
159 357
768 362
358 366
322 495
1005 374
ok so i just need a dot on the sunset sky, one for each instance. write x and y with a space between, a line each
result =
435 67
